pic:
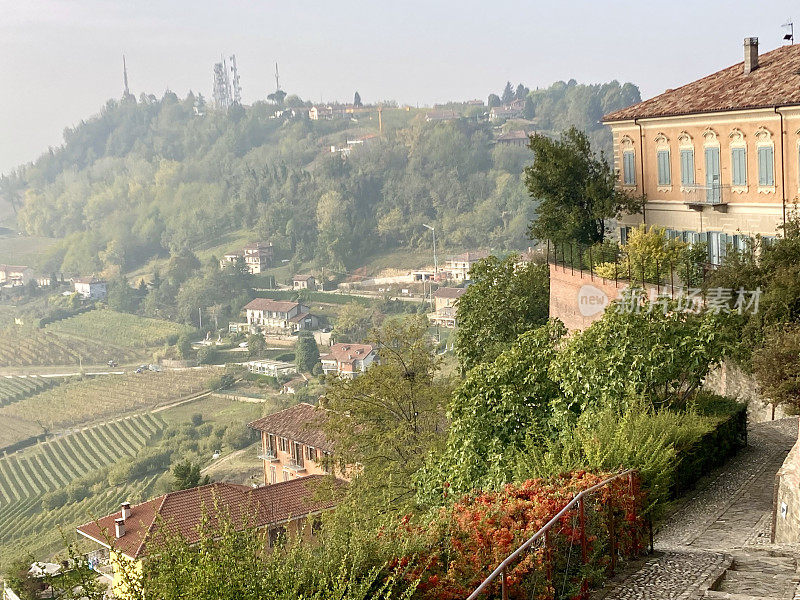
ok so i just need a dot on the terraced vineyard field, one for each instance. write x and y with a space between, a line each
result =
24 347
26 528
17 388
95 400
122 330
54 464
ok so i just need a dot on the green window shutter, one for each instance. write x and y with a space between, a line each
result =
687 167
663 167
766 169
739 166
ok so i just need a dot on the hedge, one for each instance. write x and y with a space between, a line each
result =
715 447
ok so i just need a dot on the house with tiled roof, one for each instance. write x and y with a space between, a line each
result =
718 159
348 360
304 282
257 257
516 137
293 443
131 533
15 275
279 316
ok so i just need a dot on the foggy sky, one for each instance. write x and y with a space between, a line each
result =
61 60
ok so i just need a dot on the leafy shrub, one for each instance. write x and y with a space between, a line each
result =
207 355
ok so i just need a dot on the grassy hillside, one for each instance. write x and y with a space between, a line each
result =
22 250
122 330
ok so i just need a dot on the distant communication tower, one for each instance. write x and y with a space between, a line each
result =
277 79
237 89
126 93
222 86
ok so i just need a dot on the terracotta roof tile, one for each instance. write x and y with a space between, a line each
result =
448 292
270 305
347 353
302 423
775 82
181 512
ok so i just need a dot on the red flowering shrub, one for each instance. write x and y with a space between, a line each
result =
475 534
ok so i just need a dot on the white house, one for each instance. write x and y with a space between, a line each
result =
277 316
13 275
91 288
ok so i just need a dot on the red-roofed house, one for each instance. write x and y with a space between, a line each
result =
718 157
348 360
293 443
279 316
129 533
304 282
257 257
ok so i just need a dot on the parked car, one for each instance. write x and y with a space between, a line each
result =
154 368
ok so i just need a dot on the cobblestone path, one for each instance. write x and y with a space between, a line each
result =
723 524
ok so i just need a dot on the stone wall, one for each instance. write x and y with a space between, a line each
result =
786 520
730 380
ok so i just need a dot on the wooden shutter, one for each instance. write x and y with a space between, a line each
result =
687 167
766 168
739 166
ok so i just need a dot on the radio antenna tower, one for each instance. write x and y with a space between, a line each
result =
277 79
222 86
237 89
126 93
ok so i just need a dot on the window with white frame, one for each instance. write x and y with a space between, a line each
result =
765 156
739 166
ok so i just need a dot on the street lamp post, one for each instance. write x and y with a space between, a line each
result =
435 263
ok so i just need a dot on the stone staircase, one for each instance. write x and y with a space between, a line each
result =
758 575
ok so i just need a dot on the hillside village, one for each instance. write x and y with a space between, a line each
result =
334 402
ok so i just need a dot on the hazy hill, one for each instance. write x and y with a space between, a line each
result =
153 177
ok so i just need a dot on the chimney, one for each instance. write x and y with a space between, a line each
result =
126 510
119 527
750 54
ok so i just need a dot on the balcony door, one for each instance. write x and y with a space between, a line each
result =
713 192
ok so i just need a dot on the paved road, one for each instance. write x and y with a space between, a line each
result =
728 515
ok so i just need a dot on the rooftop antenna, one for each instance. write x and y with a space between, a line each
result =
237 89
789 37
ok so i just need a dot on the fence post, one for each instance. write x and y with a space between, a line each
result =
591 265
548 252
632 490
582 521
671 280
612 537
571 261
548 556
503 584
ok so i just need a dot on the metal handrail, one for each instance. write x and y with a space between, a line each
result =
536 536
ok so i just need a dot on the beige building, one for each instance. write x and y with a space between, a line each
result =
90 288
257 257
293 443
11 275
458 266
445 300
277 316
718 158
304 282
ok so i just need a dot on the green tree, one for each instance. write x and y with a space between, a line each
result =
508 93
576 190
353 323
121 296
256 345
491 414
187 475
306 352
357 100
776 365
504 300
662 354
494 100
388 418
184 346
207 355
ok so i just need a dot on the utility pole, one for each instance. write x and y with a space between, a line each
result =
200 313
435 262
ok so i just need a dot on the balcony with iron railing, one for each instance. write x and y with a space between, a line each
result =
296 465
697 196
